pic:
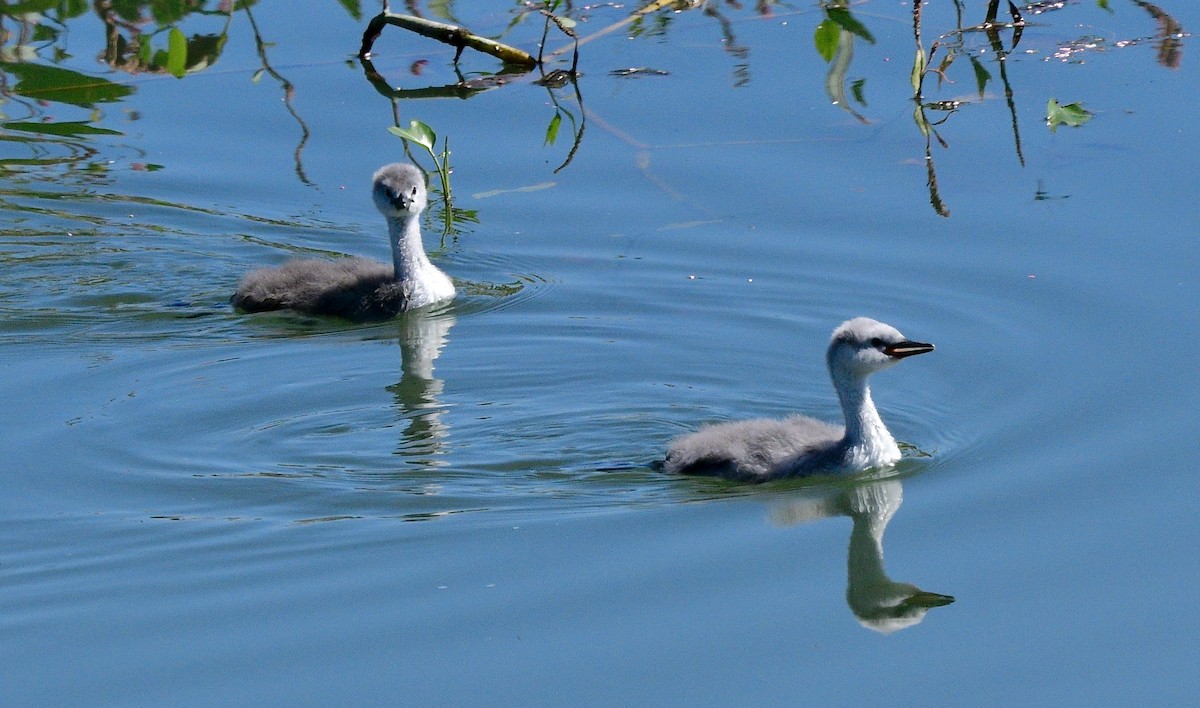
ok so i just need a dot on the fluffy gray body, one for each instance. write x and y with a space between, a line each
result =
358 288
354 288
760 450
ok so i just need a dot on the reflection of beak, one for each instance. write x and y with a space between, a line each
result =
899 350
927 599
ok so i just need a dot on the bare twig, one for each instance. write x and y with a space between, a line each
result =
455 36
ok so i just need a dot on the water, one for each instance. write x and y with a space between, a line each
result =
203 506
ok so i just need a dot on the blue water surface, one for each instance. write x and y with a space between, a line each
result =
458 506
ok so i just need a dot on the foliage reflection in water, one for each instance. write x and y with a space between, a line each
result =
134 35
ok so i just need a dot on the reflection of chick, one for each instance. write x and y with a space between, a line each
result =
422 335
878 602
757 450
358 288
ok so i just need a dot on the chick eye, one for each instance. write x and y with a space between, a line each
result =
414 192
876 342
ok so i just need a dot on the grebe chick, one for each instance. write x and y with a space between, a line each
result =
760 450
358 288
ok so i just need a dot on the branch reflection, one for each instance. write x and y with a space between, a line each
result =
289 93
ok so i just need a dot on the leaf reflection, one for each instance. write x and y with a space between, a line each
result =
140 37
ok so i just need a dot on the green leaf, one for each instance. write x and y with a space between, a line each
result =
72 8
856 89
29 7
847 22
552 129
45 33
826 38
918 70
66 128
428 138
354 7
1071 114
203 50
920 120
177 53
1103 5
982 77
51 83
418 133
168 12
145 53
945 65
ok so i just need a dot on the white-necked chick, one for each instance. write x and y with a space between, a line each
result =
764 449
359 288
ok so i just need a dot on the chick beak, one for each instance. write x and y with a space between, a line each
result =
899 350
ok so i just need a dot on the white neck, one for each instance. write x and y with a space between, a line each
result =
426 283
408 253
867 442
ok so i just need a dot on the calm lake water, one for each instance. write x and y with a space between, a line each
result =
457 506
